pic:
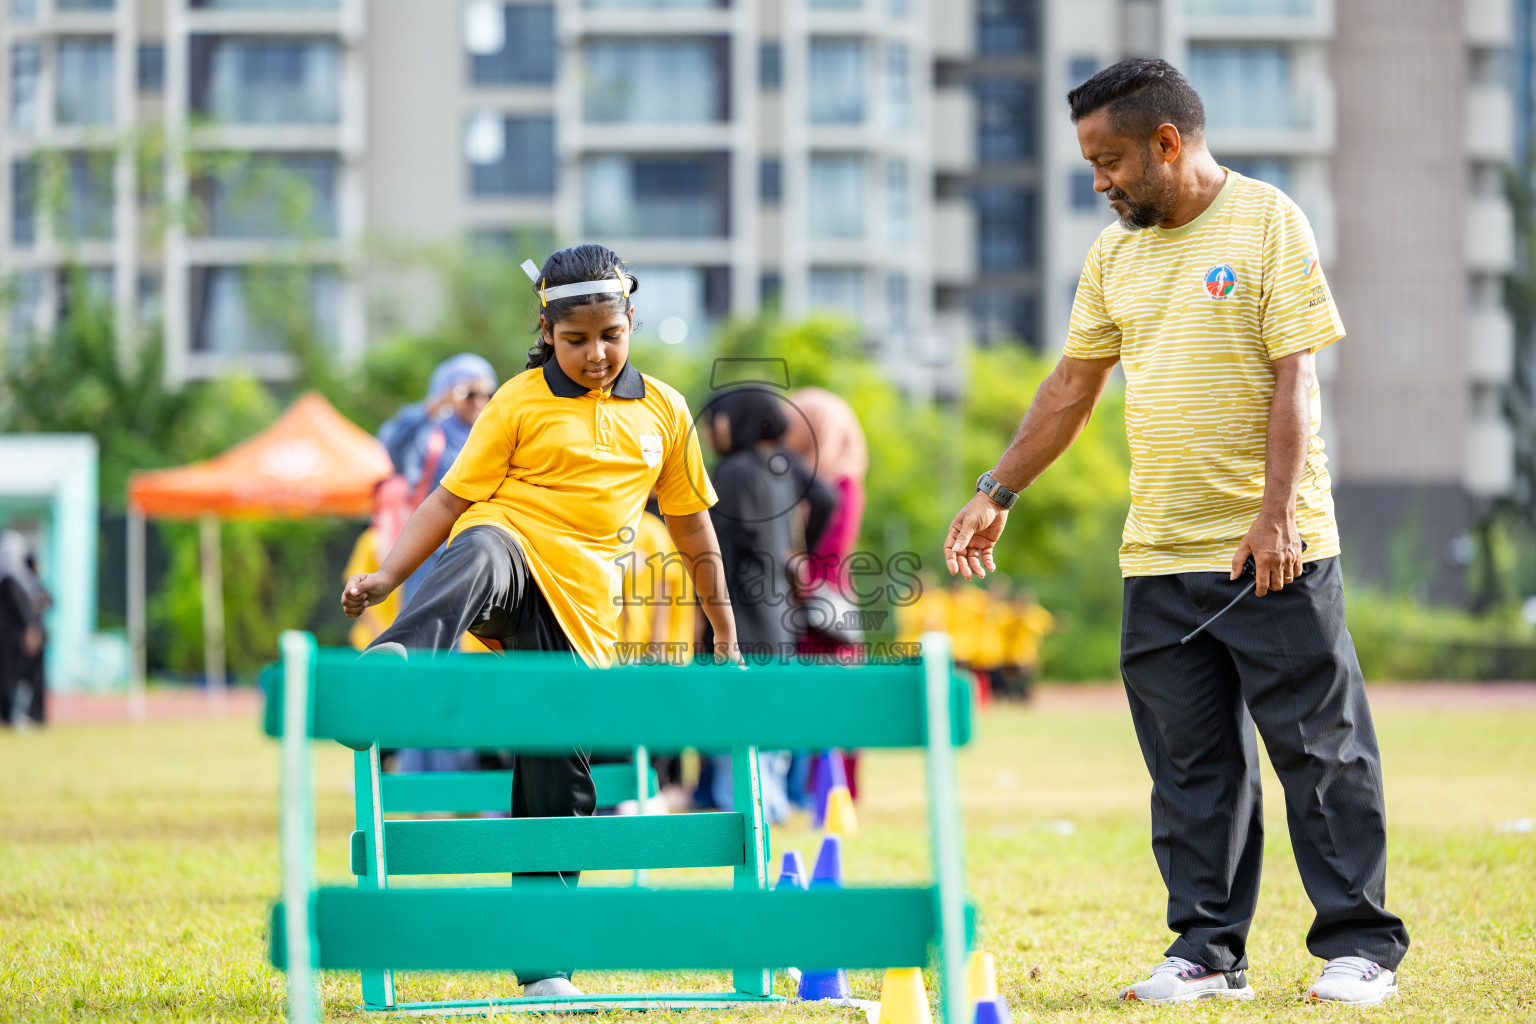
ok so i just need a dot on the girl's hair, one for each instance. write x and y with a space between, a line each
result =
571 266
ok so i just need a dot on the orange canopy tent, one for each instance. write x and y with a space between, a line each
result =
312 462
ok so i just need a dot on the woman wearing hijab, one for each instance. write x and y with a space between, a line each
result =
424 438
757 521
22 601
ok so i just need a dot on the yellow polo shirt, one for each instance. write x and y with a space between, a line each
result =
567 471
1197 314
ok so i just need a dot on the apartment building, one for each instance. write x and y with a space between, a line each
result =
737 152
1331 102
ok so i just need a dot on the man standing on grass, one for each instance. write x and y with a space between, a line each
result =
1209 293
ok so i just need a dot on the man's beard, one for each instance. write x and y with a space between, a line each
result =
1153 205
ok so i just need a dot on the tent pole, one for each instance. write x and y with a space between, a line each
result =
213 608
137 708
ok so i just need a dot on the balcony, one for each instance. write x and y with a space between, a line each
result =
1488 22
1258 19
1490 465
1490 127
1490 346
954 240
954 131
1490 243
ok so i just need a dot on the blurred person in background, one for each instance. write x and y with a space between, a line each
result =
761 487
1208 292
23 599
824 432
424 438
1025 625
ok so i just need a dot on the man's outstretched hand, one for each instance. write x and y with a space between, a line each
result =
972 536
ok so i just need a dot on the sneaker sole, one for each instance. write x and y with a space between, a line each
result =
1128 996
1387 993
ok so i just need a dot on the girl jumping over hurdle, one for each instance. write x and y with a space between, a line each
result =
540 509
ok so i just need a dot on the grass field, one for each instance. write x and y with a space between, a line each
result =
137 863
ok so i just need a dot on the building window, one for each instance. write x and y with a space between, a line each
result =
26 61
1005 26
526 51
89 193
653 4
835 5
1273 169
1247 87
837 188
899 8
1005 226
266 5
898 201
82 5
657 196
683 302
1004 315
1005 120
836 87
770 179
770 65
241 310
510 156
505 242
656 81
838 290
26 300
147 293
83 290
151 67
292 195
770 289
1080 69
23 10
1249 8
898 86
23 203
83 81
266 81
1083 195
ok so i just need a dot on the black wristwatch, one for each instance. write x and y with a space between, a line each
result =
992 487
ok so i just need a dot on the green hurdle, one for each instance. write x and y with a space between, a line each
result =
539 703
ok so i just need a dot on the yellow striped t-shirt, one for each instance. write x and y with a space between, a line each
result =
1197 314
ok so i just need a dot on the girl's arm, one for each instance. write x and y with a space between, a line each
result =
428 527
694 536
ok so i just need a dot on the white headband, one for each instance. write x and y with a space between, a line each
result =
619 284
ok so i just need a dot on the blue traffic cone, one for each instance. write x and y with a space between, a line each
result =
829 776
792 873
825 985
993 1011
828 873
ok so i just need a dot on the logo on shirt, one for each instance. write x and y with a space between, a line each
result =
1221 281
650 448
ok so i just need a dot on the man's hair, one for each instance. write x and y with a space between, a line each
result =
1141 93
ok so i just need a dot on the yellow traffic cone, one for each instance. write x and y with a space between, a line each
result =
981 975
841 821
902 997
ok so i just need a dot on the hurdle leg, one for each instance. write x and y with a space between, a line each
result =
944 827
642 793
752 873
298 829
378 984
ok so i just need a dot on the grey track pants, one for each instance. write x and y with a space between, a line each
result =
482 585
1283 662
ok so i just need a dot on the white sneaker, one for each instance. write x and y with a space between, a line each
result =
1177 980
1353 981
549 987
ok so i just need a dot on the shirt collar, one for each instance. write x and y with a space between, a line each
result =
628 384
